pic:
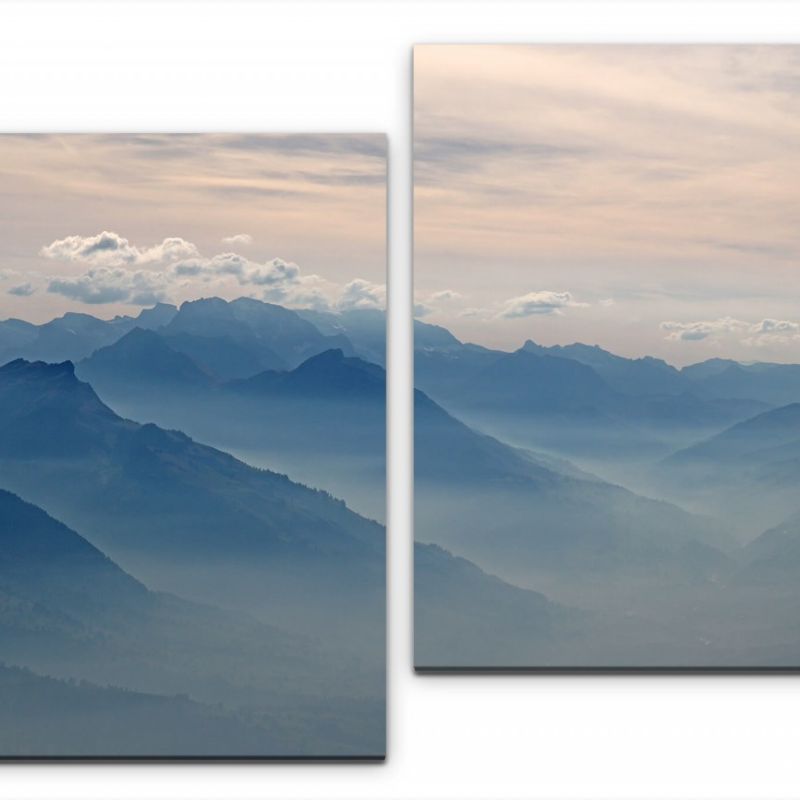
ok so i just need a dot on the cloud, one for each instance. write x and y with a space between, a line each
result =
775 326
368 144
697 331
773 331
303 291
767 331
360 293
421 310
538 303
436 301
445 296
109 249
276 272
177 264
237 238
23 290
104 285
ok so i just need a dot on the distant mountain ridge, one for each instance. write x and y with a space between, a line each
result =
713 379
73 336
228 339
545 398
276 337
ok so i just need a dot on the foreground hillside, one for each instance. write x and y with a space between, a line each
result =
42 716
68 611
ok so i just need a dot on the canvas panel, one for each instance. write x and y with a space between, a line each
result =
607 356
192 461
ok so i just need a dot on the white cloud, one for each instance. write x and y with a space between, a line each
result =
538 303
437 301
773 331
119 285
775 326
767 331
175 264
245 271
361 293
697 331
169 250
237 238
303 291
109 249
445 296
421 310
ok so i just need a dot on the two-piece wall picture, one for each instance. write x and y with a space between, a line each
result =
607 356
607 401
192 546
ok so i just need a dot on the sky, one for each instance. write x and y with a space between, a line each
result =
644 198
109 224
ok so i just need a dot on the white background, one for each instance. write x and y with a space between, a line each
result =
339 66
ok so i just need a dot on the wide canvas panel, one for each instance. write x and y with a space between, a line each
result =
192 544
607 356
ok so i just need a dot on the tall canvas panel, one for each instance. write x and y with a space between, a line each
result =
607 356
192 463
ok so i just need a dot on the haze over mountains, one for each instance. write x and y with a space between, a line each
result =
240 610
558 523
225 598
696 558
68 610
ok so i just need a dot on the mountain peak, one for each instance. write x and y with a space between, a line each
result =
532 347
39 369
47 404
335 360
333 356
140 361
144 334
204 303
329 372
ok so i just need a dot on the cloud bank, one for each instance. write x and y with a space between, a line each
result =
767 331
109 249
121 272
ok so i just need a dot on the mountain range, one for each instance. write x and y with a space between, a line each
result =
323 422
170 508
174 512
577 400
332 407
74 335
593 507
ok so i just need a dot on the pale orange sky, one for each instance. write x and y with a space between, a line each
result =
645 198
233 203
